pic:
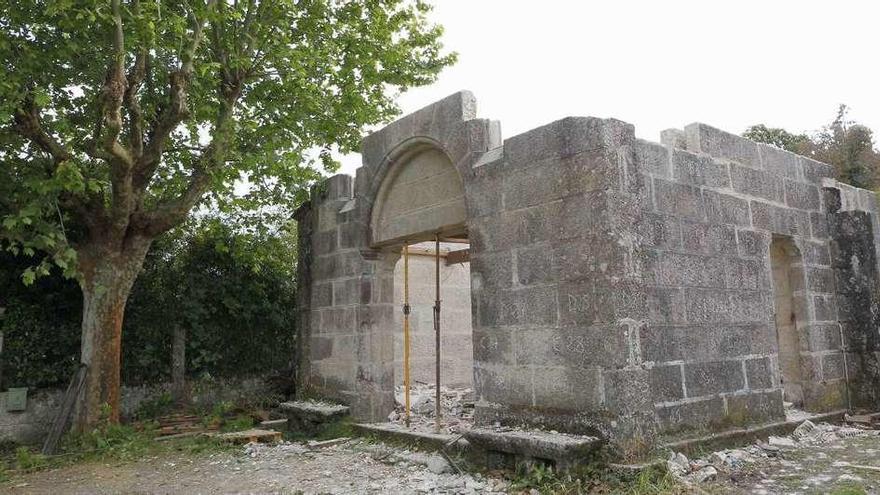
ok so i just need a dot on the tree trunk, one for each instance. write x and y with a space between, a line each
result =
178 365
107 279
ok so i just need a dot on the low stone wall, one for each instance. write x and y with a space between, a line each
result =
31 425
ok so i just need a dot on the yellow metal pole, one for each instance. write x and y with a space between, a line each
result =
437 407
406 308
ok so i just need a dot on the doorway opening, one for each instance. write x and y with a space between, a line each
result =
417 275
788 287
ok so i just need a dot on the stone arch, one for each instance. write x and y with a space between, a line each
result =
420 194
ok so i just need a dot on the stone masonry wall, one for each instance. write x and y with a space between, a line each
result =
717 200
618 286
348 341
854 259
556 284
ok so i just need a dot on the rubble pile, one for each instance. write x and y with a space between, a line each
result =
352 466
456 406
806 434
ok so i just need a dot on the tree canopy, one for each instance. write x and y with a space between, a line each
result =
118 118
121 116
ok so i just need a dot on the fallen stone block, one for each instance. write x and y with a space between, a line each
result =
310 417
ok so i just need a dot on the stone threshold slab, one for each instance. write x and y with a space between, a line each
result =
534 443
742 436
401 433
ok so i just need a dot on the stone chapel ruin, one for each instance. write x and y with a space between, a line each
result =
592 282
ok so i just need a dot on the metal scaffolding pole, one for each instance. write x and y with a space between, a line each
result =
406 311
437 334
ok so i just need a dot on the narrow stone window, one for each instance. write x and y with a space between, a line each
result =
788 287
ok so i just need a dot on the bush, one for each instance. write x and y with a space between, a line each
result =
231 288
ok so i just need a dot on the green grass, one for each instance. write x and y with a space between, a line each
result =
594 479
848 490
109 442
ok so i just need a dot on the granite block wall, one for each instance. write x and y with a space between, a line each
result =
618 286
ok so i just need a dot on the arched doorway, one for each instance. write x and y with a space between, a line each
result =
420 206
422 196
788 295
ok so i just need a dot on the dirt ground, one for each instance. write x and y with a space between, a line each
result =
828 459
845 466
289 468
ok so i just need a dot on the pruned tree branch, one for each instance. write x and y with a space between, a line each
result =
28 125
175 210
175 110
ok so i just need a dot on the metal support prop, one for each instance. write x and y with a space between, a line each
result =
437 334
406 311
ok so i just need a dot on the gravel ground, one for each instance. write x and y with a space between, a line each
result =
287 468
815 459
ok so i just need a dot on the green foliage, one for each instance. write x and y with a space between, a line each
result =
594 478
126 443
848 490
154 407
117 118
27 460
796 143
231 286
849 147
843 144
40 326
239 423
233 292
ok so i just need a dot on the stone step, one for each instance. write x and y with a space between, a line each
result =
511 447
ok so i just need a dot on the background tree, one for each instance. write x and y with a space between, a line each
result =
849 147
844 144
796 143
119 118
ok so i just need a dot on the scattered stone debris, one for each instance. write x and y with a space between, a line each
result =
457 408
786 456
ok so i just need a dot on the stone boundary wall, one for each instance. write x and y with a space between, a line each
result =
31 425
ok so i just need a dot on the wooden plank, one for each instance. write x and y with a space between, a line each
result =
252 435
74 390
455 257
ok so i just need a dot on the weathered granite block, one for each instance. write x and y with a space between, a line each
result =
755 407
757 183
759 373
713 377
714 142
666 383
780 220
706 238
679 199
800 195
653 158
723 208
780 162
699 170
691 414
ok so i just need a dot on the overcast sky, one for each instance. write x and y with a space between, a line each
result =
660 64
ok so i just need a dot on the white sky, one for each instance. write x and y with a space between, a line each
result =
660 64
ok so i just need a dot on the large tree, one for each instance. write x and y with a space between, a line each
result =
119 118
